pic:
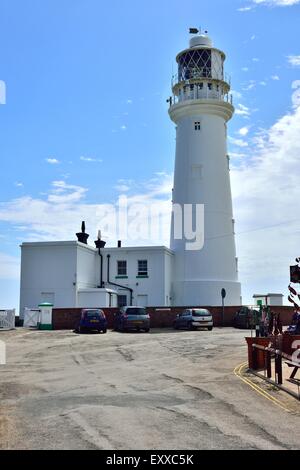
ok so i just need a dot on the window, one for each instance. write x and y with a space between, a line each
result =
197 126
196 171
122 301
143 268
122 268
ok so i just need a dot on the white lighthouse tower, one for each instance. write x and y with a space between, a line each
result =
201 107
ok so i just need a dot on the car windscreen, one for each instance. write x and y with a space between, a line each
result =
92 314
136 311
201 313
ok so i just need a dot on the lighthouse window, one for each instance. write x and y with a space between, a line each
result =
197 126
143 268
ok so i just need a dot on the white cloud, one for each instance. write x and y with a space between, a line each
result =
2 92
242 110
90 159
245 69
277 3
123 128
247 8
244 131
251 84
129 101
294 60
238 142
275 78
58 215
236 94
52 161
269 3
237 155
18 184
9 267
266 194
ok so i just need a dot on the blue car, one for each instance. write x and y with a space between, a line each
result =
92 320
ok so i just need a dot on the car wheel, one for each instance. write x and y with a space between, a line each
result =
147 330
190 326
104 331
210 328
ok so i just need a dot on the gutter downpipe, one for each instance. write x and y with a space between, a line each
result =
118 285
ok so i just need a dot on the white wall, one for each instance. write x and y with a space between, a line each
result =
68 274
48 268
208 270
96 298
156 287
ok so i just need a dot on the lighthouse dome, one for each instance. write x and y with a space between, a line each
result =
201 40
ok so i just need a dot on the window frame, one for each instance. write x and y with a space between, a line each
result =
120 270
143 272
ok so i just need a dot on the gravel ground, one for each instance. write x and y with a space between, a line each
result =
163 390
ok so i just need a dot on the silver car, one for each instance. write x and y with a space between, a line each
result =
194 318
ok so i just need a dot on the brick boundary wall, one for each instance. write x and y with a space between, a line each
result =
68 318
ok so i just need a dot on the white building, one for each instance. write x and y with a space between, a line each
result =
272 300
69 274
72 274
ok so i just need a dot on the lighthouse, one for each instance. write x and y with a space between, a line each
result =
201 107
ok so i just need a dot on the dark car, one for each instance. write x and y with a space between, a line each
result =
194 318
92 320
245 318
132 319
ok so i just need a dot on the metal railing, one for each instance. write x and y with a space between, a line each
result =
273 368
200 75
205 94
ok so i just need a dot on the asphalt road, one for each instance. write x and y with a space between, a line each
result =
164 390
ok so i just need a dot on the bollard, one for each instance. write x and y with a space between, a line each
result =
268 364
278 367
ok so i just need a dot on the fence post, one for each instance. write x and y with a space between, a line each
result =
269 366
278 367
254 357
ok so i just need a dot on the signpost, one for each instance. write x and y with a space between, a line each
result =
223 294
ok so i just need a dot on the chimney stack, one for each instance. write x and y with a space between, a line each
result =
99 243
82 236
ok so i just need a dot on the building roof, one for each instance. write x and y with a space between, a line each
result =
267 295
90 247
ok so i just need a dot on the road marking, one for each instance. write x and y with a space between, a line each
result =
238 373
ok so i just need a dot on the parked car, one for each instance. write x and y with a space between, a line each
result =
194 318
92 320
245 318
132 318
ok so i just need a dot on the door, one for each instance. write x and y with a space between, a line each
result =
142 301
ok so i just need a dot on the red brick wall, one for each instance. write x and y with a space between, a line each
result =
68 318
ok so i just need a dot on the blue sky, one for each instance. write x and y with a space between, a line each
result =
85 119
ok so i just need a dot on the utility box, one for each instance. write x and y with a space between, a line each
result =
45 316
